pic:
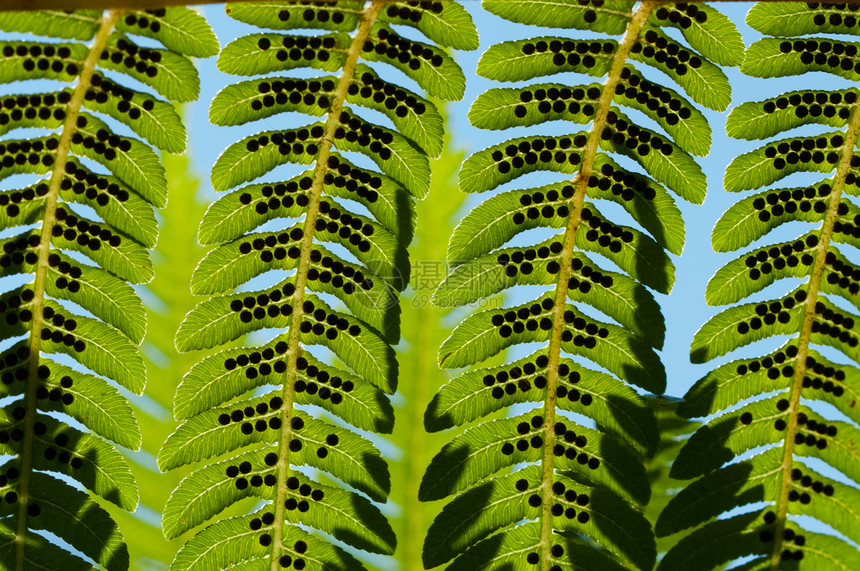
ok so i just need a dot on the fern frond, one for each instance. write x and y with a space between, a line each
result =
604 465
75 257
783 385
345 303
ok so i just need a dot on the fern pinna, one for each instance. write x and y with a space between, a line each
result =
581 482
788 383
343 297
87 227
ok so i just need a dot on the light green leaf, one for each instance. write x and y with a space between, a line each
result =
208 491
39 553
519 60
74 518
221 377
229 217
213 323
763 119
754 216
776 57
64 61
265 53
704 82
616 295
233 540
601 397
482 335
83 457
132 161
608 17
740 325
493 445
509 547
503 501
707 30
781 158
274 14
78 25
496 165
661 158
170 74
800 19
178 28
91 400
431 68
446 23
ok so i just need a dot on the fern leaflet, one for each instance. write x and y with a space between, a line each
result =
343 296
100 351
583 481
786 384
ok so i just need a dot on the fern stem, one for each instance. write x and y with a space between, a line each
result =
332 121
49 219
806 331
631 34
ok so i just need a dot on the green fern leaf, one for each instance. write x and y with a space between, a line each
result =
486 262
343 16
432 68
765 401
747 534
590 393
446 23
504 108
230 536
485 449
77 24
702 80
752 217
37 60
169 73
488 332
179 29
776 57
519 60
67 512
505 500
207 491
121 184
781 158
264 53
38 552
272 440
608 18
772 116
739 380
508 548
235 213
155 120
801 19
707 30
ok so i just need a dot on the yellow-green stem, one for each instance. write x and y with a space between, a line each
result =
333 120
806 331
637 20
48 220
